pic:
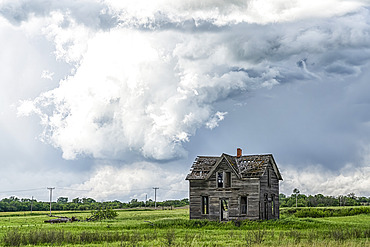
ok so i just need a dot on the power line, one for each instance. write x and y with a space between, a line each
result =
109 190
92 190
73 189
176 190
63 188
13 191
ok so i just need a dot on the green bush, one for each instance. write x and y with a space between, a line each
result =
102 214
325 212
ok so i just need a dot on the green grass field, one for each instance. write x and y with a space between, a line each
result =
173 228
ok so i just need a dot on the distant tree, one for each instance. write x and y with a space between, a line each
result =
76 200
363 200
62 200
88 200
185 201
342 200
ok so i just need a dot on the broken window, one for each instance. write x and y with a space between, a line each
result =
220 180
224 205
243 205
227 179
205 205
224 212
223 179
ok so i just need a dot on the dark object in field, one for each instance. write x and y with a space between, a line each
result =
99 214
61 219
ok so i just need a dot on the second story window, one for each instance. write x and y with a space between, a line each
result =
223 179
227 179
220 179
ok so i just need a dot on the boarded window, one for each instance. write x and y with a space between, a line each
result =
220 180
243 205
205 205
227 179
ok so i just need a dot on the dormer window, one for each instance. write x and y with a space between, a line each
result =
227 179
220 180
223 179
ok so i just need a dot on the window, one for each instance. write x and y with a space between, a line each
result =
224 212
265 207
243 205
227 179
223 179
268 177
273 204
205 205
220 180
225 205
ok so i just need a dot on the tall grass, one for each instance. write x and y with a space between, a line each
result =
170 237
173 228
15 237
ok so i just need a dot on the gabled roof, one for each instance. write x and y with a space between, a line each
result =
229 161
246 166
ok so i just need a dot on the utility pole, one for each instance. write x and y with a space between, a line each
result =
155 197
31 204
51 197
296 192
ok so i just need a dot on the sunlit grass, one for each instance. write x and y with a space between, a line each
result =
173 228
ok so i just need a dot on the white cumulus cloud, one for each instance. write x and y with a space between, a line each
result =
147 83
315 179
132 181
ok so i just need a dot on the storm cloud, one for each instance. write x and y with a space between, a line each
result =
142 94
147 80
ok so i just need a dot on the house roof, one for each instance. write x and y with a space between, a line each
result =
246 166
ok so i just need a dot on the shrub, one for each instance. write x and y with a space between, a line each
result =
326 212
12 238
102 214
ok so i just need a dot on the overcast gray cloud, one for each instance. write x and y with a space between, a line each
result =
156 81
92 14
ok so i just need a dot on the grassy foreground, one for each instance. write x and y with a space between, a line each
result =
173 228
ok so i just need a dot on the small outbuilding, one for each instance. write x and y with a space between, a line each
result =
234 187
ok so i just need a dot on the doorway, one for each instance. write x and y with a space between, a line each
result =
224 209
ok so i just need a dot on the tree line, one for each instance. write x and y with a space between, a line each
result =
14 204
301 200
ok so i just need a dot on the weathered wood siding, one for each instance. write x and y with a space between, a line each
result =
269 195
249 188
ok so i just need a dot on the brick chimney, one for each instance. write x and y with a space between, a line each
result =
238 152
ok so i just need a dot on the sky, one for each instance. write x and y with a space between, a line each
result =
108 99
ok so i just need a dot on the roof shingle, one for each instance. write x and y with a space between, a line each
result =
246 166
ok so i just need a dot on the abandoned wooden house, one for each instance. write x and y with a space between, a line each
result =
234 187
